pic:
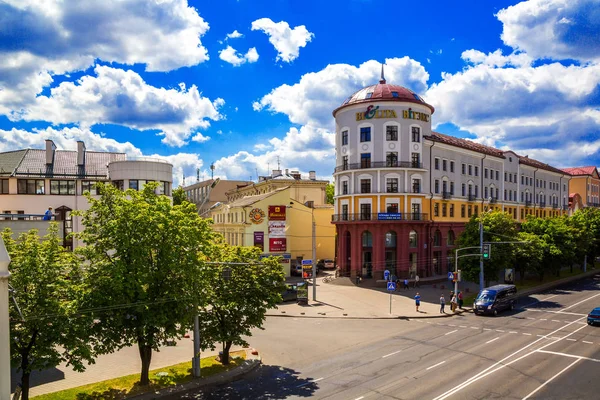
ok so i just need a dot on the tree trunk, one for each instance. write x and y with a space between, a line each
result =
25 386
225 356
146 357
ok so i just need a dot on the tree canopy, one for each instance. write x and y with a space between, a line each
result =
45 328
143 268
330 192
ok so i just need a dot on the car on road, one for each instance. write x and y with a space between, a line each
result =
329 264
290 293
494 299
593 317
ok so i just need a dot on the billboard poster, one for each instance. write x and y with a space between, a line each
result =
277 244
277 229
259 240
277 213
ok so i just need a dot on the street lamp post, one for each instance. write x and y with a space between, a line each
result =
314 248
4 325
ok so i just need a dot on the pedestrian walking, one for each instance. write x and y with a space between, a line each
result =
460 300
442 304
417 281
417 301
453 303
48 214
406 284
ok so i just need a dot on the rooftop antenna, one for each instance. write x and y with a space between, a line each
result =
184 179
212 171
256 174
278 163
197 174
382 80
268 168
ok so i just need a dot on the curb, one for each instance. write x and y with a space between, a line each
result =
448 315
559 282
228 376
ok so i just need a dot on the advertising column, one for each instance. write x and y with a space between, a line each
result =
277 235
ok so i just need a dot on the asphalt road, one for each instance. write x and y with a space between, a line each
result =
543 350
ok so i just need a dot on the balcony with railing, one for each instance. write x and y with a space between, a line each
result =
493 200
542 204
528 203
593 204
555 205
565 207
446 195
379 217
471 197
379 164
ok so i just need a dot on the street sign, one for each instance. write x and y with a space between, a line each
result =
450 275
386 275
391 286
306 262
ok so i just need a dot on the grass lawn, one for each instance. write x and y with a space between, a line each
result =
121 388
532 282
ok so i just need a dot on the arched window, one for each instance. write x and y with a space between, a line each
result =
412 239
390 239
437 238
451 238
367 239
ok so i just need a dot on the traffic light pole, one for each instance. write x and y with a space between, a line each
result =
456 257
481 259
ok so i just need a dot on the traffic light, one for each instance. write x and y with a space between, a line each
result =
486 251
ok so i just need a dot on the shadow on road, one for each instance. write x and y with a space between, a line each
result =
267 382
37 377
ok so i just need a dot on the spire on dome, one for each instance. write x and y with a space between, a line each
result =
382 80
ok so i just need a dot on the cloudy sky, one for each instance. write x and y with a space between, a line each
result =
239 83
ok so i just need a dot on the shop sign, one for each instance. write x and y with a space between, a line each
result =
276 229
277 213
277 244
389 216
375 112
259 240
419 116
257 215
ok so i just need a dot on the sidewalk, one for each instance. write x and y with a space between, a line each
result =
341 298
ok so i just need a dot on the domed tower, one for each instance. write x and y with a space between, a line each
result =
382 180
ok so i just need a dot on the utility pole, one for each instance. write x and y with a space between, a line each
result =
4 325
481 284
314 253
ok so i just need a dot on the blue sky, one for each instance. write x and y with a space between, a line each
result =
243 82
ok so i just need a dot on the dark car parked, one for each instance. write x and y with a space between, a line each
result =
494 299
290 293
593 317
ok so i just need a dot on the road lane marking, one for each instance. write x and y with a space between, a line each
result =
582 301
309 382
571 340
494 367
585 341
555 320
500 330
512 332
551 379
462 326
451 325
570 355
493 340
436 365
391 354
556 312
359 398
529 318
528 334
486 329
543 319
445 334
474 327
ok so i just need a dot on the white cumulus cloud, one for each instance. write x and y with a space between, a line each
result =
234 35
287 41
63 36
317 94
497 59
124 98
555 29
230 55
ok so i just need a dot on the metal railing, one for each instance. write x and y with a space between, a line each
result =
542 204
593 204
493 200
379 217
471 197
555 205
379 164
528 203
446 195
24 217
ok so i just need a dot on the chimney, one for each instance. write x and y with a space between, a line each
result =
80 153
50 148
276 172
312 175
287 171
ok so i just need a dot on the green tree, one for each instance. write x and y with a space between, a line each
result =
179 196
497 227
529 256
588 220
330 191
560 238
240 291
143 268
44 327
